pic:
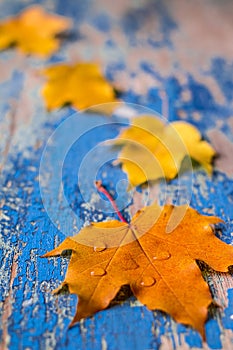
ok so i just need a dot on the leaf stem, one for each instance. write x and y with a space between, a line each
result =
103 190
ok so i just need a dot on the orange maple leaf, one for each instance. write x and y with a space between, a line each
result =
80 84
33 31
155 255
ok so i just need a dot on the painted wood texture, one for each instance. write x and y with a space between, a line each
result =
174 57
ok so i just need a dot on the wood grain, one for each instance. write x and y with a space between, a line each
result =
174 57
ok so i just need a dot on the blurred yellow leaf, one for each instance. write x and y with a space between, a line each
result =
152 150
33 31
82 85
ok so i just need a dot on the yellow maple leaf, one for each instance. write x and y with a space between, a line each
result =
81 84
152 150
33 31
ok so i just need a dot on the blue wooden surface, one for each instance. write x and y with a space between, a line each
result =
174 57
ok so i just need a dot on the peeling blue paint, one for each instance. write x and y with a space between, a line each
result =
40 320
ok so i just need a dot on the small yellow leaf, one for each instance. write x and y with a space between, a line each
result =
81 84
198 149
152 150
33 31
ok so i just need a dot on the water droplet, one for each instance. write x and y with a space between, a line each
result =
208 227
100 247
130 265
98 271
147 281
162 255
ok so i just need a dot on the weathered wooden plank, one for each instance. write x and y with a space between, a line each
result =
174 57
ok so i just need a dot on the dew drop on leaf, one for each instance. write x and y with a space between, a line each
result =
208 227
130 265
162 255
100 247
98 271
147 281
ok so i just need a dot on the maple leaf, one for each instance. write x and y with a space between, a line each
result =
80 84
152 150
33 31
159 267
